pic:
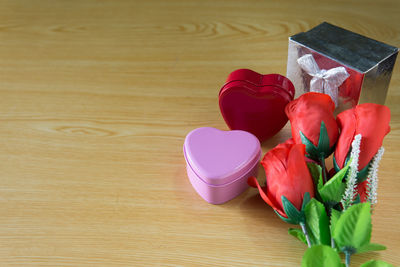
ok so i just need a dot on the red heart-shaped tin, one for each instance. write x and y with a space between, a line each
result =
255 103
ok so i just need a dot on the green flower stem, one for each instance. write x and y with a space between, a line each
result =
328 208
324 175
348 251
303 227
332 243
348 255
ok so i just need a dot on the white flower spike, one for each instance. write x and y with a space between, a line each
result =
350 192
372 180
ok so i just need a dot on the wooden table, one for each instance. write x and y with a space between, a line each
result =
96 98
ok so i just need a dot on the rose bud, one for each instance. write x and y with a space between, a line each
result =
287 176
311 118
372 122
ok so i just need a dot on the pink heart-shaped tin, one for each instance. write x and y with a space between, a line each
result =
219 162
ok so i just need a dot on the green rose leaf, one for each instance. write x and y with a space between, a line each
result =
376 263
321 256
353 228
371 247
298 234
333 190
316 174
320 183
317 223
335 215
315 171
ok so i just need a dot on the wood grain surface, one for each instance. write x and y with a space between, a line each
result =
96 98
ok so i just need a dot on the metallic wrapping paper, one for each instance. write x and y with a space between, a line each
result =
368 62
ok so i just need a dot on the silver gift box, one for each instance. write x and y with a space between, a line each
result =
351 68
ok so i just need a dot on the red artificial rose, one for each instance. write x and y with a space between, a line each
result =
287 175
369 120
306 114
372 122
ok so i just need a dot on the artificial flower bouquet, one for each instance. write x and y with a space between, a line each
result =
332 207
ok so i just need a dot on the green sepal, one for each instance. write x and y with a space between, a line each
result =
371 247
362 175
323 149
311 149
290 210
338 207
297 233
321 256
335 165
323 142
306 199
294 216
353 229
332 191
317 223
348 156
285 219
376 263
357 199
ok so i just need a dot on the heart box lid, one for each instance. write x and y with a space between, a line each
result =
255 103
259 82
219 157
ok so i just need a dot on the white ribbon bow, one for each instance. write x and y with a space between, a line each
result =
323 81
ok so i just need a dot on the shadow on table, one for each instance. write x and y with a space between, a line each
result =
255 208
